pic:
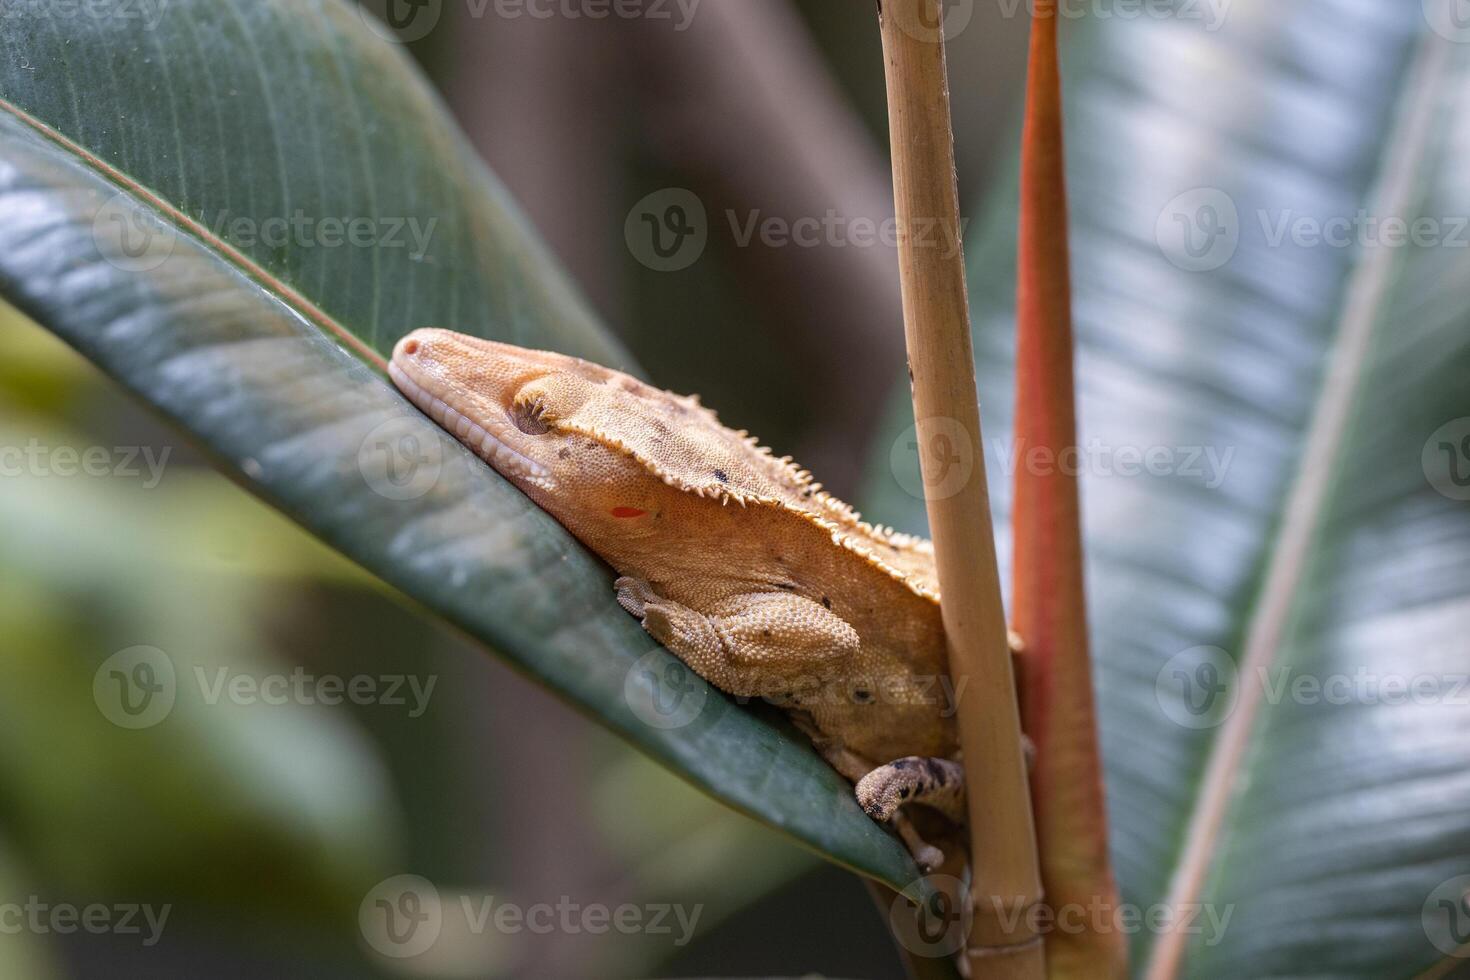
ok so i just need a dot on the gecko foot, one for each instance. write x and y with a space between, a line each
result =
939 783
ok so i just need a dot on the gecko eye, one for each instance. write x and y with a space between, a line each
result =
529 417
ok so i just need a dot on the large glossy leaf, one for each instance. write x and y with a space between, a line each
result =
176 198
1327 538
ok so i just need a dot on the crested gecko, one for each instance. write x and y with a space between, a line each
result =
735 560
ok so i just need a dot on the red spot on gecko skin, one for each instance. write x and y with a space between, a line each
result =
627 512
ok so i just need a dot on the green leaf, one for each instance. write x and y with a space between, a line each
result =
145 173
1333 543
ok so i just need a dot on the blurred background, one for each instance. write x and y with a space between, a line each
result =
260 826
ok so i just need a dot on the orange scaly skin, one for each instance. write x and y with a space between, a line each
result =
735 560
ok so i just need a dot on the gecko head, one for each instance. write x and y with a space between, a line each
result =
545 421
605 453
502 401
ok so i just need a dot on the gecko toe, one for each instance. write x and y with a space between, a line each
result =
877 793
928 858
633 595
656 621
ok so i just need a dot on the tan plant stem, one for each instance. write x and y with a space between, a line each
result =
1006 882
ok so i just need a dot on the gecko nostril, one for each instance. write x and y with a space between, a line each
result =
411 347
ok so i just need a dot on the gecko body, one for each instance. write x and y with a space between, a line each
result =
732 558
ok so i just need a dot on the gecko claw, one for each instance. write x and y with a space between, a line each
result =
928 857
